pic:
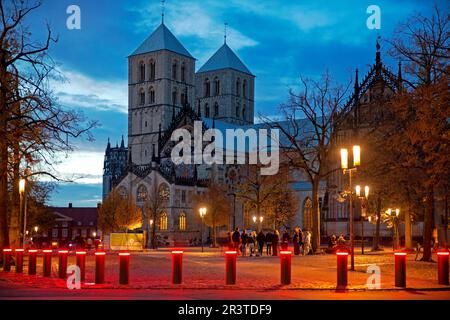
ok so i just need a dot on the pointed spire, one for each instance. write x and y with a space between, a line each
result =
108 146
162 11
122 144
225 33
356 82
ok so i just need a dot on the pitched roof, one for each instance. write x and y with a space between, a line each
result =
224 58
85 215
161 39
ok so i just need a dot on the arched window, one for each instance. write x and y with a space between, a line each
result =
206 110
164 191
216 86
244 112
238 86
216 109
141 193
182 221
163 221
183 72
152 95
152 69
122 191
141 97
244 88
141 71
174 96
207 88
238 110
307 214
174 70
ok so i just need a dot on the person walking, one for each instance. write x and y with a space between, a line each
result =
251 240
244 240
307 244
236 239
285 240
275 240
296 241
269 238
261 238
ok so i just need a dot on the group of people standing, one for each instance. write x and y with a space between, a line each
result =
255 243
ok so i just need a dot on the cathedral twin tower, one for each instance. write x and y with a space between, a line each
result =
162 80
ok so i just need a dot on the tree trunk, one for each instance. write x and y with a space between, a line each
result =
316 216
428 225
408 231
154 244
376 239
4 234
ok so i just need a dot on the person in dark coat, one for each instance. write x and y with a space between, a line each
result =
244 240
295 241
300 239
275 240
285 240
236 238
261 238
269 237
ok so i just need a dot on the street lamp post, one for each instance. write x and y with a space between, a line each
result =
346 169
202 215
363 215
23 207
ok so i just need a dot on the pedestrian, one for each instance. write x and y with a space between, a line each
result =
251 240
285 240
300 240
261 238
236 238
307 244
244 243
296 241
275 240
269 237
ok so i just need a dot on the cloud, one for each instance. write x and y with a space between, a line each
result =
81 91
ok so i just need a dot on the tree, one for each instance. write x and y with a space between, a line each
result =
422 110
215 200
119 212
309 119
34 128
153 205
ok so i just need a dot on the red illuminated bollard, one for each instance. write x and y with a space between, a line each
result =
230 266
32 256
443 267
62 265
285 265
342 269
7 259
81 263
19 260
47 264
124 263
400 269
100 267
177 266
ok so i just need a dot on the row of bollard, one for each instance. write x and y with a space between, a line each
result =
177 266
124 262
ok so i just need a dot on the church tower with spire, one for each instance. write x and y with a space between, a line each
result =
160 82
225 88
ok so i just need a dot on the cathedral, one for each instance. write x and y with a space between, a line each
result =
165 93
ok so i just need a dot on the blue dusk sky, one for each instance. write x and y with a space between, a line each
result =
277 40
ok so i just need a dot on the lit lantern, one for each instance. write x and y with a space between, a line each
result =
366 191
344 158
358 190
356 156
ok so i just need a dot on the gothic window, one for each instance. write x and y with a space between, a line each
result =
216 109
183 196
182 221
174 96
141 71
152 95
206 110
141 194
307 214
244 112
216 86
207 88
238 86
244 88
238 111
183 72
163 221
164 192
174 70
141 97
152 69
